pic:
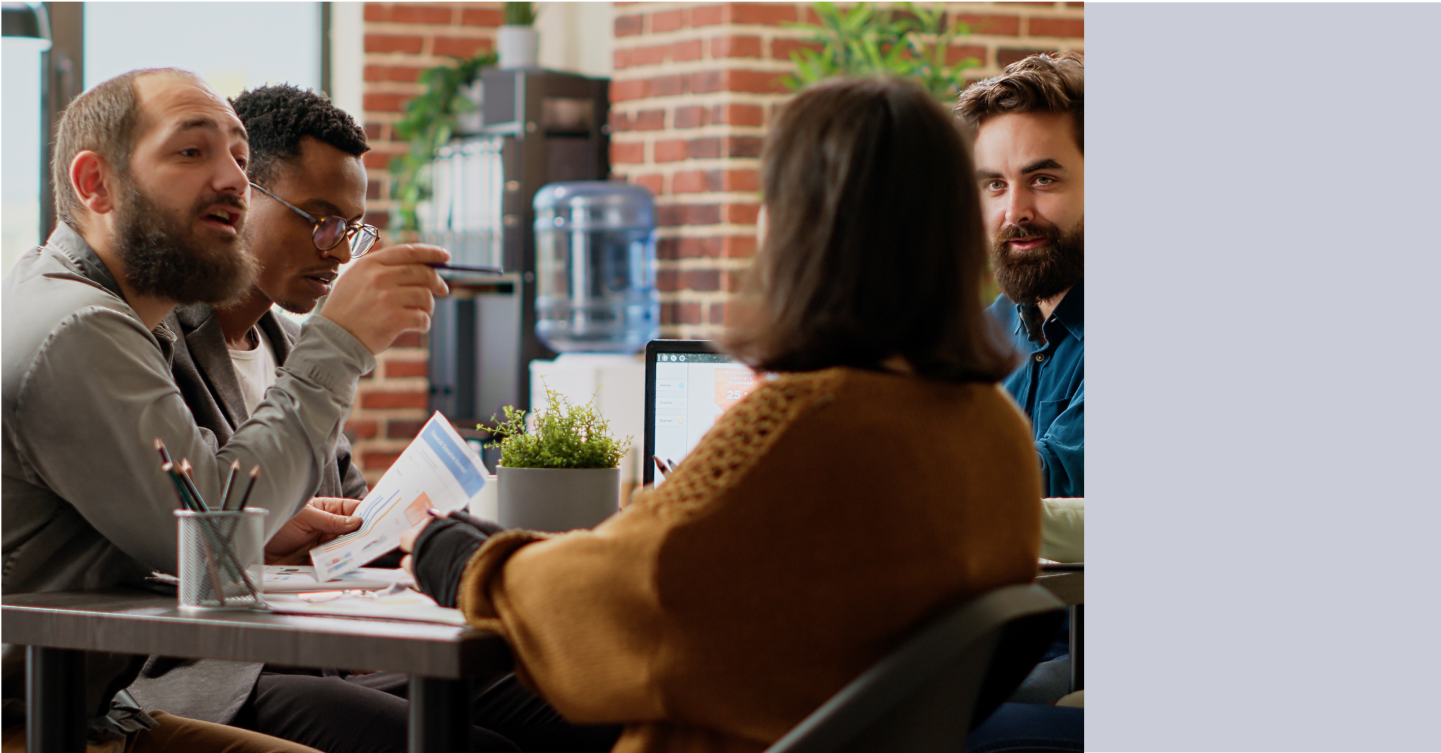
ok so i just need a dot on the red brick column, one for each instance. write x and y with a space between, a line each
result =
401 40
694 86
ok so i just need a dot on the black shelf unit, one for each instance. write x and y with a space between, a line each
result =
550 126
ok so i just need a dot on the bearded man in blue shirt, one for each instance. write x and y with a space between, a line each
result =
1030 163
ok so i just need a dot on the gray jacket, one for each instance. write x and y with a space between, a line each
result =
215 691
86 391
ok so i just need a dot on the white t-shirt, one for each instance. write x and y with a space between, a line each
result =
255 370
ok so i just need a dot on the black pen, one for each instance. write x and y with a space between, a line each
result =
664 469
467 268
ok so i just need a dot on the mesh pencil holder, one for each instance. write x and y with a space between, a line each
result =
221 559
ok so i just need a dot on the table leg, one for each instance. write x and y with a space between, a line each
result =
55 692
1078 646
439 715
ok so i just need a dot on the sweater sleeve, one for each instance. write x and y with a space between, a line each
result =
582 611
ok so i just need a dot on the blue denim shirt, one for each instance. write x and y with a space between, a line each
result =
1051 388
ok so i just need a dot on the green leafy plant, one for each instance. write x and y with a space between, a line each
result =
565 436
905 41
428 124
519 14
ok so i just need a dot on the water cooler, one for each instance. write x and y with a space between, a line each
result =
537 127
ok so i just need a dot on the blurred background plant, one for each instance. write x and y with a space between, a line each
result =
519 14
905 40
428 124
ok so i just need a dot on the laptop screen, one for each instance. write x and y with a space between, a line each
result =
687 387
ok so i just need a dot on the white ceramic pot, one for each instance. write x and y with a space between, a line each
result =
556 499
518 46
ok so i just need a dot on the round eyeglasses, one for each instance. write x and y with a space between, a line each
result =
330 231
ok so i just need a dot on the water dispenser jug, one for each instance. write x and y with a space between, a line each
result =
595 267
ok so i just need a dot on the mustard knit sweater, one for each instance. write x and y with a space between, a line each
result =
816 523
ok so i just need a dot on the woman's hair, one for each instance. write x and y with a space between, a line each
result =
874 245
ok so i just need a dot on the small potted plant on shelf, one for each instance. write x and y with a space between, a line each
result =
561 475
517 41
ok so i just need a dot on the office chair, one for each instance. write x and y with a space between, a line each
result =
927 695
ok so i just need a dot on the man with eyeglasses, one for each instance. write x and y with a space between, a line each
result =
153 197
306 220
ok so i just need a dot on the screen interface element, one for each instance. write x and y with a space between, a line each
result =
692 390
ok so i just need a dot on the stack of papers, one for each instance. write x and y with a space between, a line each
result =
403 604
287 579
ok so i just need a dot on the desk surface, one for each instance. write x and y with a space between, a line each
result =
138 622
1067 585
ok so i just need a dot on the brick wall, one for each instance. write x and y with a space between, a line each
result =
401 40
693 88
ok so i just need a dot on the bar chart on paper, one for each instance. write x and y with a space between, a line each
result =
438 470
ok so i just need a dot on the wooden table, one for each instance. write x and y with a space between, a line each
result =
59 627
1070 587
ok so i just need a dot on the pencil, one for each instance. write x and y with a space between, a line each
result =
180 489
229 482
190 484
164 453
249 487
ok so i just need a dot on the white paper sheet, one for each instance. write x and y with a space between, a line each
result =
438 470
301 578
408 605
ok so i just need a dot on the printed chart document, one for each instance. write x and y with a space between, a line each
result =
438 470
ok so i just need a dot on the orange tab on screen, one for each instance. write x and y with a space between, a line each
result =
733 384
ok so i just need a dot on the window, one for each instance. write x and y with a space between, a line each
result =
233 46
20 153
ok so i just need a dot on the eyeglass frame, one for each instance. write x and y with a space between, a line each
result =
352 229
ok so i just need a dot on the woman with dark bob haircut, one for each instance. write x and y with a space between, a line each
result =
880 477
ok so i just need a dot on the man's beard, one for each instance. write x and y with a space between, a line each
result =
164 258
1044 272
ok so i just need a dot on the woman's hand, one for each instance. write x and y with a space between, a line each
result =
438 551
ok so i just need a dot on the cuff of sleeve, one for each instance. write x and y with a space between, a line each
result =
351 358
474 600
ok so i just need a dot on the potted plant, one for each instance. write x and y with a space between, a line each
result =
561 475
517 40
429 122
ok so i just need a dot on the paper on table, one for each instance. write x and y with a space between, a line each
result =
438 470
408 605
301 578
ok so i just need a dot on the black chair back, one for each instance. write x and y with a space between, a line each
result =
928 694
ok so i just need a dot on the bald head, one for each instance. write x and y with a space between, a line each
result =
108 119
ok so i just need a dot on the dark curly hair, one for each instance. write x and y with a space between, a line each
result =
278 117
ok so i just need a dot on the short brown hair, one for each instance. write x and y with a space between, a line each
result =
1039 83
874 246
103 120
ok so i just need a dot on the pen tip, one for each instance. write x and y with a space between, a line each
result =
255 471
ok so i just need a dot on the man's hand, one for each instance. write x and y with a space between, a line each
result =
316 523
388 292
